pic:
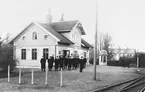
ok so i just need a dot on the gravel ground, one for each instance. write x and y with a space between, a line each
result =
73 81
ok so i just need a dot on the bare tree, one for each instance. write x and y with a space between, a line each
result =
106 44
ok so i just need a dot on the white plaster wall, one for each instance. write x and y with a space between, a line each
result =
29 61
75 37
40 38
29 44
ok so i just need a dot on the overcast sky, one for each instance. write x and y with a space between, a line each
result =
124 20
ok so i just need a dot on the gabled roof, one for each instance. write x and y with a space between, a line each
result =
56 28
48 28
59 36
65 26
20 33
86 44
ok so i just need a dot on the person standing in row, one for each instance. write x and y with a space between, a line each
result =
81 64
56 63
70 62
43 61
50 63
85 61
61 62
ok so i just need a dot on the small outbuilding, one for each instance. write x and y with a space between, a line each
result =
103 57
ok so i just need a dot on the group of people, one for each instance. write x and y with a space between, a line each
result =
65 63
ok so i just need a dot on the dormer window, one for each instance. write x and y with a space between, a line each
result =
45 37
34 36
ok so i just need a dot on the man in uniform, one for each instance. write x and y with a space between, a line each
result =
56 63
50 63
81 64
69 62
61 62
85 61
43 61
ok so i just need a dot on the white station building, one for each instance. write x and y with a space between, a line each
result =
49 39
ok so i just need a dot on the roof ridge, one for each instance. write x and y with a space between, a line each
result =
64 21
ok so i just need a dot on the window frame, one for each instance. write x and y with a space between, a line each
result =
46 53
23 54
45 37
34 54
34 36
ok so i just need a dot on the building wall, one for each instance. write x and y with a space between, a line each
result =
40 38
76 37
28 43
29 60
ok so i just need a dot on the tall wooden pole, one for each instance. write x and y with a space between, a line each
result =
95 45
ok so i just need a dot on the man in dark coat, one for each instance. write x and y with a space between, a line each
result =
50 63
81 64
65 62
85 61
43 61
61 62
69 62
56 63
77 62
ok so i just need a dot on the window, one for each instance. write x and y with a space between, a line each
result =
85 54
45 37
59 52
34 54
23 54
45 53
34 36
23 38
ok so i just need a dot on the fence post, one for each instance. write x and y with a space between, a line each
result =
46 75
32 76
8 73
20 75
61 77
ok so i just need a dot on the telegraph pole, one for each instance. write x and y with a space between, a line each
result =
95 45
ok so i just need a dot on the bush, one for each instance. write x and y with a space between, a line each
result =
4 64
113 63
6 58
91 61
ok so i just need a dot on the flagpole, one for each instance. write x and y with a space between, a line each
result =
95 45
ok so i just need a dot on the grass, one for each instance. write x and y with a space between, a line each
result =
73 81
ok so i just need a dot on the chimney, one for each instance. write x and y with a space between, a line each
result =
61 19
49 17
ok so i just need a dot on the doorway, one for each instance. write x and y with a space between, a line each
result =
66 53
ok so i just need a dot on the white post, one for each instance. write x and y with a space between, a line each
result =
61 77
46 75
32 76
8 73
19 75
137 61
106 59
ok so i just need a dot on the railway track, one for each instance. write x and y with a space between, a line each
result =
135 85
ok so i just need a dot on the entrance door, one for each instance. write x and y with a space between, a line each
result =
66 53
